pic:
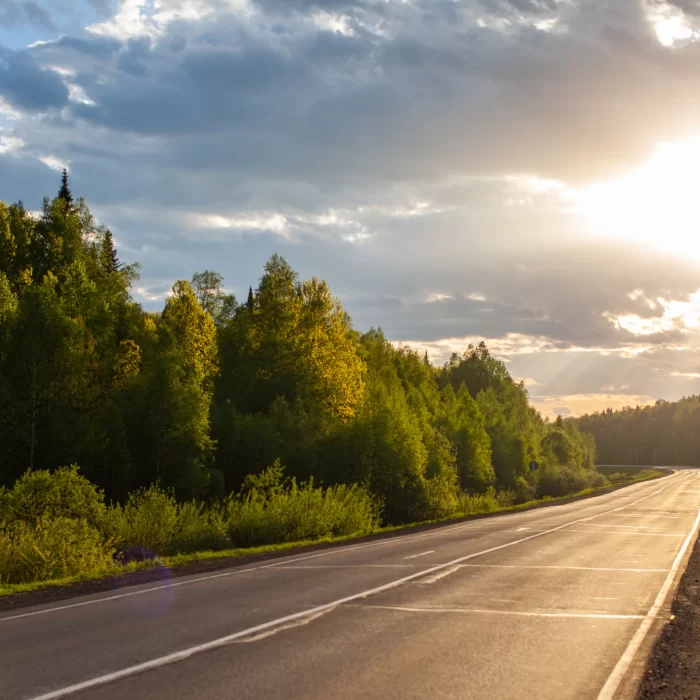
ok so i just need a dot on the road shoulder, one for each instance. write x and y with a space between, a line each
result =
673 665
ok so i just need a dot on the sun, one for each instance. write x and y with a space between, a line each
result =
654 205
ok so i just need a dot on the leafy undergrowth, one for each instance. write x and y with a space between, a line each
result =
31 557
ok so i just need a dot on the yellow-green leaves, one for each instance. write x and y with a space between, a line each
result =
193 331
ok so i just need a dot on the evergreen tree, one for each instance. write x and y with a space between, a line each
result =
251 300
64 193
108 254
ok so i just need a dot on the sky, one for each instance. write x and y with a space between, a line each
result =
523 172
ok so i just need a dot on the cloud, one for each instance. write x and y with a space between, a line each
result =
25 86
14 13
426 157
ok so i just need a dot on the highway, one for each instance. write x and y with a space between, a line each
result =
552 603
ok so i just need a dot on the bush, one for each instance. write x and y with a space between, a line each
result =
43 494
562 481
441 497
473 503
524 490
149 519
278 510
51 548
198 529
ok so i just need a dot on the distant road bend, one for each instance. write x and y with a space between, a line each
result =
553 603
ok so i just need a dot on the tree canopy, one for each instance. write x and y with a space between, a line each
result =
207 392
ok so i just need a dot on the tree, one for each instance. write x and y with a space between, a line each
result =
464 424
209 290
193 333
250 303
108 254
64 192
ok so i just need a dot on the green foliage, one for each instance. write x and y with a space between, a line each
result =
149 518
555 480
209 290
40 495
274 509
667 433
203 397
51 548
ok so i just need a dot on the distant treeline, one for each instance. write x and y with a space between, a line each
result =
667 433
211 390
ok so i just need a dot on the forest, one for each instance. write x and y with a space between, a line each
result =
255 420
665 434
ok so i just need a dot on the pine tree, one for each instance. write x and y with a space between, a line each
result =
108 256
64 193
251 300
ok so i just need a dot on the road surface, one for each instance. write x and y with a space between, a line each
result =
549 604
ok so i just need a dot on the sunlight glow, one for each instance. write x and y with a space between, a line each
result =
677 315
671 26
654 205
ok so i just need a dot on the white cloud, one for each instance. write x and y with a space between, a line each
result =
671 26
54 163
150 18
250 222
676 315
77 94
8 142
146 293
433 298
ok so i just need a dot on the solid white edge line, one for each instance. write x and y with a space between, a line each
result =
568 568
223 641
291 560
636 534
618 673
521 613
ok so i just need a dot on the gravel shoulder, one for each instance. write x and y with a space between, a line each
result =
673 666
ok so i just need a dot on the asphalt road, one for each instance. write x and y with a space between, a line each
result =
553 603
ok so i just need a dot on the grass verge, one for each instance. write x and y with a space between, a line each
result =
118 576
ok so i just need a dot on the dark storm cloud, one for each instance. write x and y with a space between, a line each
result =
423 100
92 46
524 6
27 87
15 13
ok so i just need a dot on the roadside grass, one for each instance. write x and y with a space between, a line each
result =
628 475
477 507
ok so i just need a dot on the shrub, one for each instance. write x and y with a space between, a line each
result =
43 494
148 519
198 529
562 481
470 504
277 510
524 490
51 548
441 497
